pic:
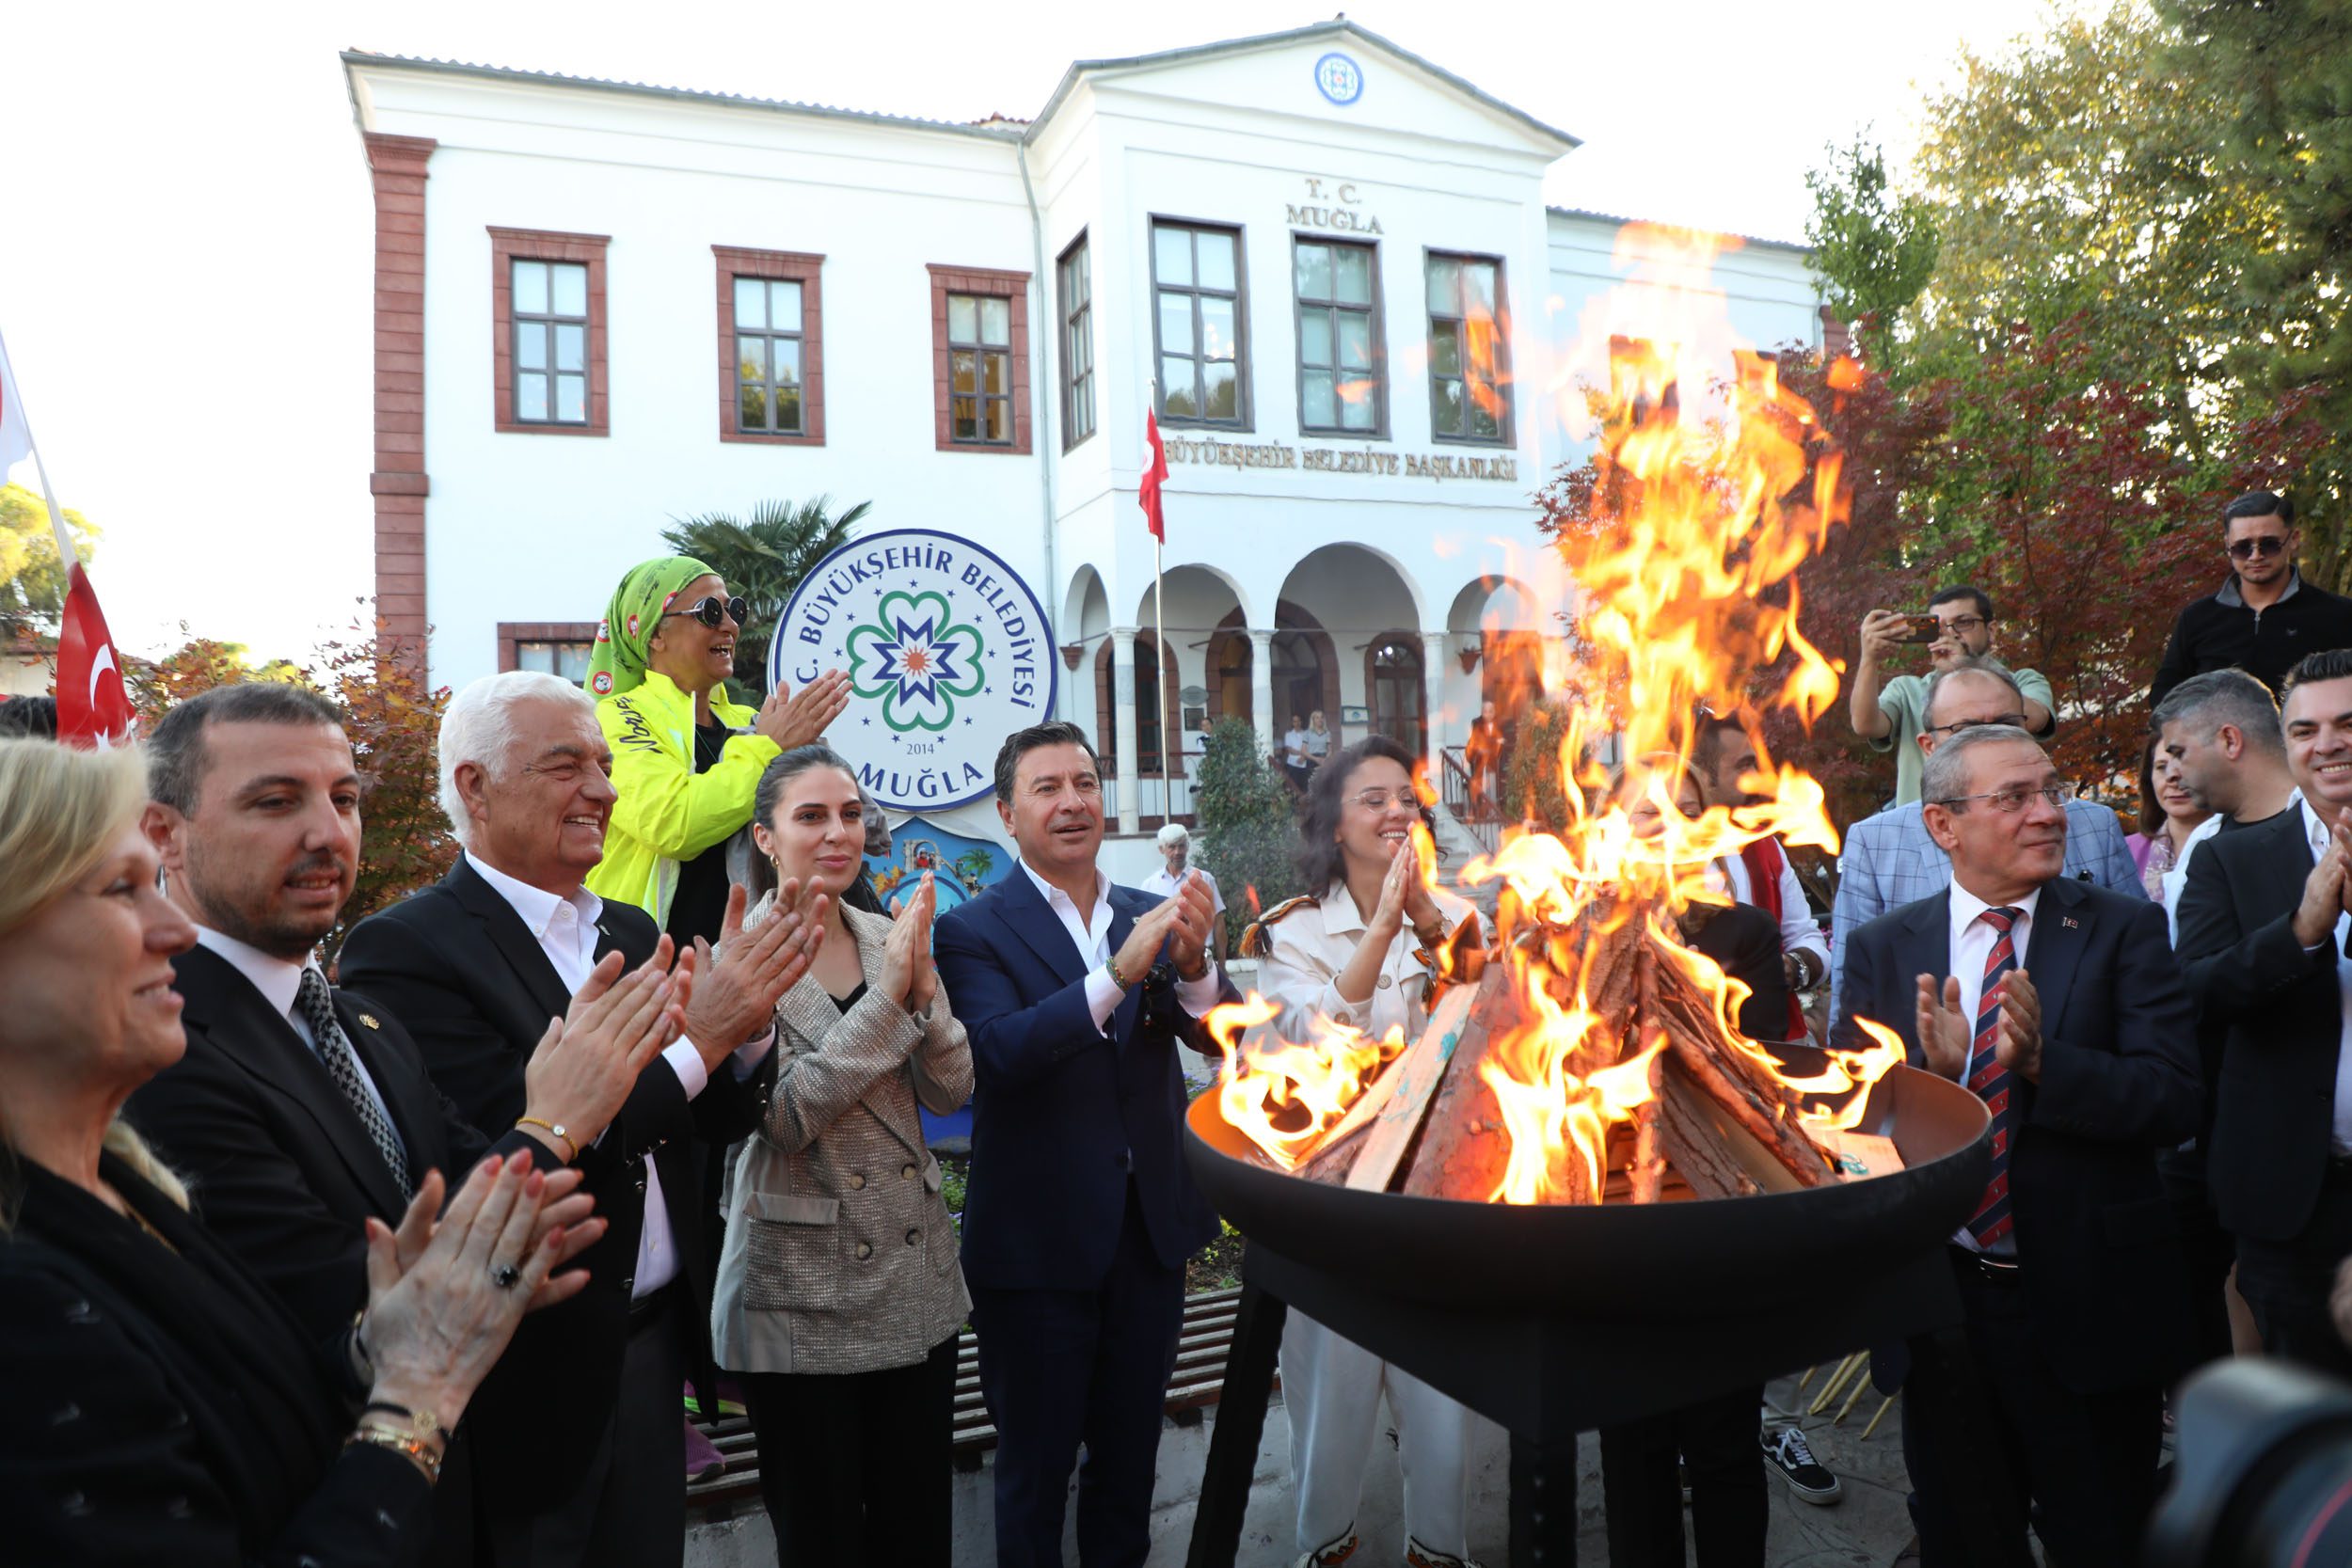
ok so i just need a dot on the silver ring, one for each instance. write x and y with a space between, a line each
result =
506 1275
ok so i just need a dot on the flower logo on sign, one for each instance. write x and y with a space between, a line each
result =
915 659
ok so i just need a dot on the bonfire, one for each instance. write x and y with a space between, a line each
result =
1588 1055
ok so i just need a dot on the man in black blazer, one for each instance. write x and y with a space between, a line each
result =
291 1135
2263 941
1081 1213
582 1431
2059 1004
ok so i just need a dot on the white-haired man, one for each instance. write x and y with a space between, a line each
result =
476 964
1176 849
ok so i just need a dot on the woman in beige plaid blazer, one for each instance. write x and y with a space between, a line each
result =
838 1299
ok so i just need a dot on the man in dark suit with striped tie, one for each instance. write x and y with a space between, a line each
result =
2058 1003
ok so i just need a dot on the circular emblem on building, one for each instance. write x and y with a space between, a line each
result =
947 651
1339 79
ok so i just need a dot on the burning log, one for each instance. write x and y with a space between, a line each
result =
1464 1145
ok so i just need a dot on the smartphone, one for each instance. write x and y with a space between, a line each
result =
1921 628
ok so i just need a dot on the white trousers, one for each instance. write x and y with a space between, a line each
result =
1331 1390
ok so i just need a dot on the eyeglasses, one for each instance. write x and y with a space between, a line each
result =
2010 799
714 612
2260 544
1380 800
1961 626
2014 721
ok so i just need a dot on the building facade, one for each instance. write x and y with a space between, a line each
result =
1324 261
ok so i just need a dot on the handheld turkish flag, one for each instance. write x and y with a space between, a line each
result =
1154 476
93 709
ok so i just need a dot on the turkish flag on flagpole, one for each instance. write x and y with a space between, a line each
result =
93 709
1154 476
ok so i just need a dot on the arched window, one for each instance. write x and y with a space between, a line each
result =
1392 678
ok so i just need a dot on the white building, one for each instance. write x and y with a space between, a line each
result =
1295 235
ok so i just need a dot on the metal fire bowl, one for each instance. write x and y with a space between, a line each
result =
1688 1261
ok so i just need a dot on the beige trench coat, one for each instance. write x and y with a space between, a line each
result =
839 1254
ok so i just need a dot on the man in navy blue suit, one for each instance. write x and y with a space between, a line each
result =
1081 1213
2059 1004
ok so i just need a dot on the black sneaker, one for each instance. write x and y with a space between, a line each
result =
1806 1475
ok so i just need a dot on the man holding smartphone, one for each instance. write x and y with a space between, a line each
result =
1889 719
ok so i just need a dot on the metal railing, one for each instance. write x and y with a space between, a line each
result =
1481 819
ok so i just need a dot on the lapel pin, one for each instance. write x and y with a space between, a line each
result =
367 1021
2069 922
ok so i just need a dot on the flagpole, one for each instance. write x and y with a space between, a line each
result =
1161 665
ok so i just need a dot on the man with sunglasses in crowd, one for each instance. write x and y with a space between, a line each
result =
2264 617
1890 718
1891 860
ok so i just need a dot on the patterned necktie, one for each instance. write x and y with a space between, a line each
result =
1990 1223
334 1048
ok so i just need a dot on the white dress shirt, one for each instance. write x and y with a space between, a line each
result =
1091 933
1798 928
2339 1133
280 981
1972 944
1162 885
566 930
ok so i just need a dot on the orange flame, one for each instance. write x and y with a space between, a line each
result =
1713 485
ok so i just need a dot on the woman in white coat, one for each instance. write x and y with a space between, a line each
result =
1360 952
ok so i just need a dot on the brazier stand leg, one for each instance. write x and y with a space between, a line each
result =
1543 1475
1240 1425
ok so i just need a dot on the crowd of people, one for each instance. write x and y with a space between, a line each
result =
413 1262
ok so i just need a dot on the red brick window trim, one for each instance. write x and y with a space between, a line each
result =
774 267
1013 287
507 247
515 637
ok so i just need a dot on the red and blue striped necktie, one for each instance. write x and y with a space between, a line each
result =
1990 1223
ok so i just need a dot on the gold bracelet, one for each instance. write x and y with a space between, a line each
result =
412 1449
570 1143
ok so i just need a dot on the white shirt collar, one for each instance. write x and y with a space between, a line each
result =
279 980
536 905
1341 917
1966 907
1056 900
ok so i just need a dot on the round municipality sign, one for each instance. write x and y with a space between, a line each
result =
1339 79
947 653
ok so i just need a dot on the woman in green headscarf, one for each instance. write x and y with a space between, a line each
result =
686 760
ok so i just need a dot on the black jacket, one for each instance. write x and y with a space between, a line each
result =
279 1165
1064 1120
159 1405
2097 1244
464 974
2282 1022
2219 632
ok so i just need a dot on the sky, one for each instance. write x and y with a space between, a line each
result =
185 288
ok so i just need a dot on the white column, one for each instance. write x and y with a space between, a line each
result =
1262 688
1433 701
1123 726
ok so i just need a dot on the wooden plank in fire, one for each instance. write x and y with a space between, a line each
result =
1465 1145
1414 1080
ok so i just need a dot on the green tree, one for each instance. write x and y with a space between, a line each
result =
1873 246
2081 178
32 578
2276 78
1248 826
764 557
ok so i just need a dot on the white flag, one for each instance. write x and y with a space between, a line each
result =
16 444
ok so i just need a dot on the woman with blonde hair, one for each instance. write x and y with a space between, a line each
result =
157 1402
839 1298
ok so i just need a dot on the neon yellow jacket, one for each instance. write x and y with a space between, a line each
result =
667 812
